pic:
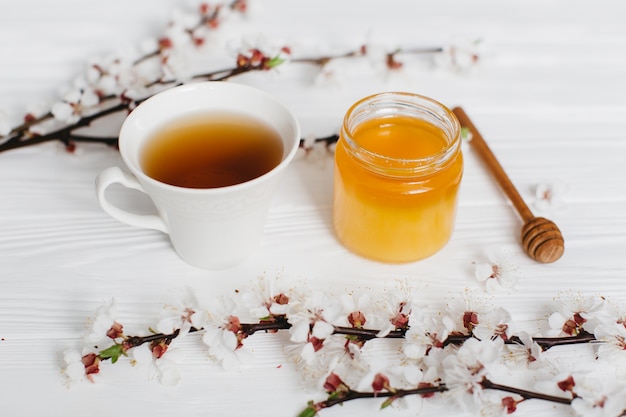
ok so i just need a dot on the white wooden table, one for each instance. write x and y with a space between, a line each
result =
548 93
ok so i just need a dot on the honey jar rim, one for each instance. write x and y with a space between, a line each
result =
389 104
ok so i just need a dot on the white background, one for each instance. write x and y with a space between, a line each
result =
549 94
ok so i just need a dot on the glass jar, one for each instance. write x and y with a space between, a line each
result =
398 167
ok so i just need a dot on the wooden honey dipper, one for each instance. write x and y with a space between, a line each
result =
541 238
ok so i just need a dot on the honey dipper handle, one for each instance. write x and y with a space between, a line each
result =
479 144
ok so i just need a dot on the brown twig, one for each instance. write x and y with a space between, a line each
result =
345 394
20 136
281 323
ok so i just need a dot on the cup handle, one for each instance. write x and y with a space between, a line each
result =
115 175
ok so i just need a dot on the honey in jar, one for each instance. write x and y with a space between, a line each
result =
398 167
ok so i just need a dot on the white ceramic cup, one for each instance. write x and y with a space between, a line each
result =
211 228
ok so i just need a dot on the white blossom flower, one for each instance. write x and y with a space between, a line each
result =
612 348
313 317
465 371
102 79
359 310
182 21
223 335
182 314
113 74
497 323
574 312
82 96
426 332
598 393
38 108
266 299
74 104
141 357
314 348
176 66
100 324
467 313
548 197
45 126
168 371
380 377
165 369
460 54
395 308
558 375
526 352
498 272
64 112
495 404
72 366
315 361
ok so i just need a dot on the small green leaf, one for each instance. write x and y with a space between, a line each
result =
274 62
114 352
309 411
466 134
387 402
334 395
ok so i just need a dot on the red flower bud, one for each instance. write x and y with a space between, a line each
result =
567 384
165 43
158 349
357 319
509 404
91 362
470 320
281 299
242 61
116 330
381 382
333 384
317 343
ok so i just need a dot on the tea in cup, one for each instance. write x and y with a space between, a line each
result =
210 156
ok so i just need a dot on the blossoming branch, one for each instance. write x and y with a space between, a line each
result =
118 84
452 353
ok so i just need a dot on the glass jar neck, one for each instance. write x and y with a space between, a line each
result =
406 105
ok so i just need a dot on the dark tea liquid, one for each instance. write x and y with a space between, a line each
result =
211 150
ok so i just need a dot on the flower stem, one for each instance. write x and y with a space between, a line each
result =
550 342
487 384
281 323
21 137
351 395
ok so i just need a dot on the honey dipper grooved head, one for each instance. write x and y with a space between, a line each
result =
542 240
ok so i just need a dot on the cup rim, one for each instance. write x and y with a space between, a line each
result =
211 85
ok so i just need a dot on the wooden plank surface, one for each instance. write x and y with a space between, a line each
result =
548 94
